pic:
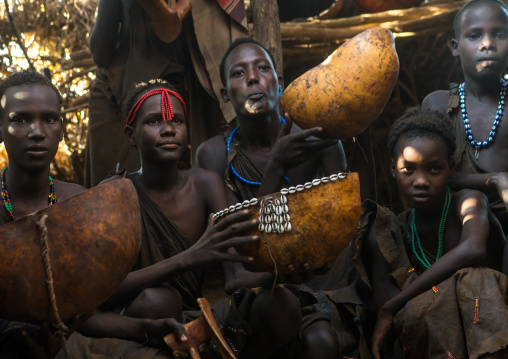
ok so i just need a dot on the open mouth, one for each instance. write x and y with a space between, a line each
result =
485 64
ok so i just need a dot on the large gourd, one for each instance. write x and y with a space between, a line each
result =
346 92
93 240
308 223
385 5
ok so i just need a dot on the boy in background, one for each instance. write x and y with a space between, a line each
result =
476 107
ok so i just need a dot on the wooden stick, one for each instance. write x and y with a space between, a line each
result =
332 11
307 34
380 17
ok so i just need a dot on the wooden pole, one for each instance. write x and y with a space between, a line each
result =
266 26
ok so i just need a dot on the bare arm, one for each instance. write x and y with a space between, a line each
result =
104 36
147 331
211 155
484 182
437 101
471 251
210 248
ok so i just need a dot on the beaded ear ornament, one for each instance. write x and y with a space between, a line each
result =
309 223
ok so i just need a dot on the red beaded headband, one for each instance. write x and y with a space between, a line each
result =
166 107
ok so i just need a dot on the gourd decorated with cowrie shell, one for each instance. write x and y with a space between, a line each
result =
346 92
309 223
93 240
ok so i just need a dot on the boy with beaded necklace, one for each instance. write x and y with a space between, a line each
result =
267 151
424 266
177 244
476 107
31 129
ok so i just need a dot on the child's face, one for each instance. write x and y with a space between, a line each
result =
158 140
482 42
31 126
251 81
422 168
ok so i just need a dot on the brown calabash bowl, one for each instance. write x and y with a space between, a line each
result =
385 5
322 219
93 240
346 92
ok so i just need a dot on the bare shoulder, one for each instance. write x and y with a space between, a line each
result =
65 190
211 154
470 200
210 187
436 101
205 179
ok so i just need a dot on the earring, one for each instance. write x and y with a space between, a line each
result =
280 92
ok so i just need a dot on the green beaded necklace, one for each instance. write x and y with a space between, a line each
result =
414 233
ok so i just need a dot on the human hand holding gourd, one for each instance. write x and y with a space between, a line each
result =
292 149
213 245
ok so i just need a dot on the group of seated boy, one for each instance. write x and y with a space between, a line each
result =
433 277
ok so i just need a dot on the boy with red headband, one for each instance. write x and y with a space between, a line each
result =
179 241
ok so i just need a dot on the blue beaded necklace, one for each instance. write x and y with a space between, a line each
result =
479 144
228 145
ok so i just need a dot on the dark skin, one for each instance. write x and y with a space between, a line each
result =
482 45
472 235
108 37
105 39
186 198
252 87
31 129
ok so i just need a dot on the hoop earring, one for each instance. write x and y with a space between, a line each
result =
280 92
